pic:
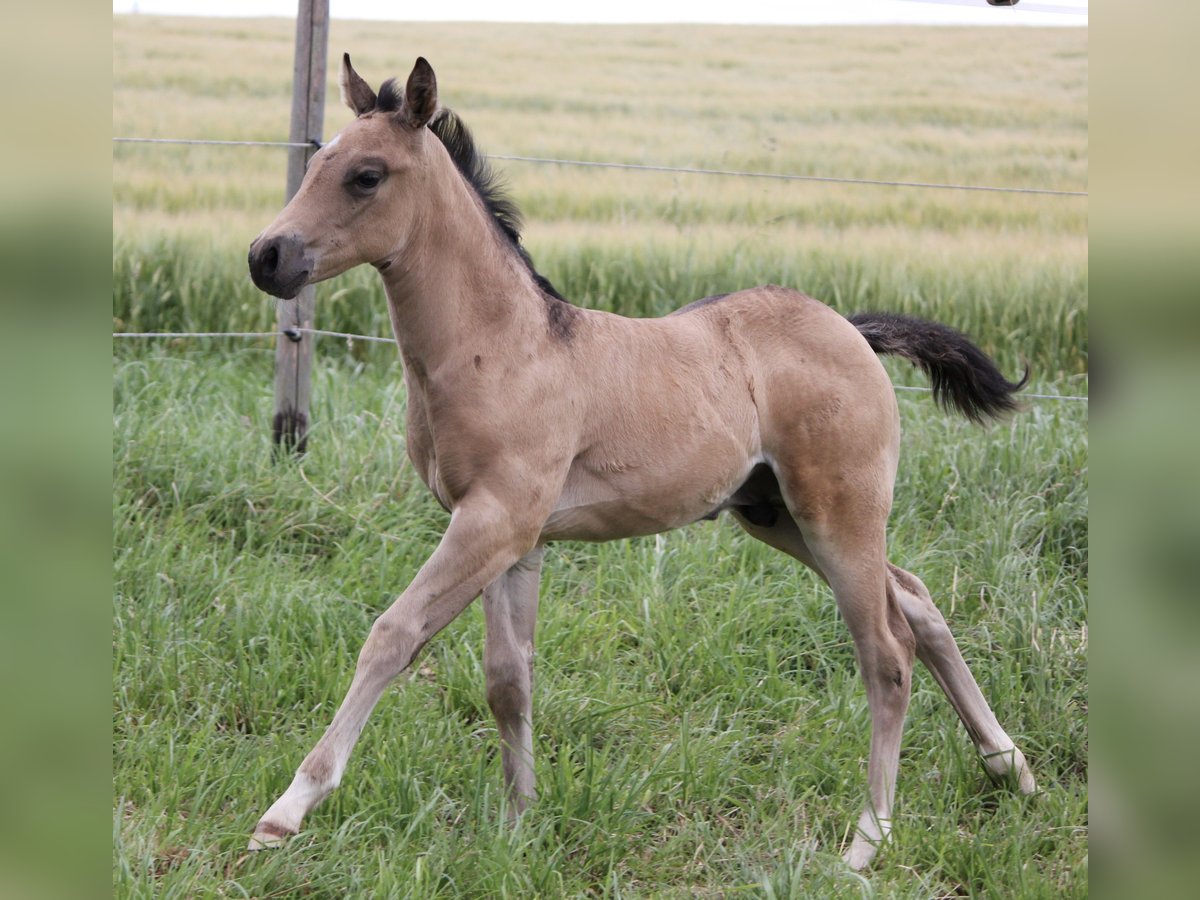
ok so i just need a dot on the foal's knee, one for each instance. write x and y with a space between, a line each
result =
924 619
508 685
887 665
390 646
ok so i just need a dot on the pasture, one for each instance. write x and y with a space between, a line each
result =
700 725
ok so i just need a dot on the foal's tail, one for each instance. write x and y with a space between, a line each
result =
962 375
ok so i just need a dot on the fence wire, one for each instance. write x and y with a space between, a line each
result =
293 334
208 143
781 176
644 167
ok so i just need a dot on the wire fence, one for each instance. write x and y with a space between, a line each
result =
289 333
647 167
294 334
213 143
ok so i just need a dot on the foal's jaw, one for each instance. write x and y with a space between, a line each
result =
344 215
332 225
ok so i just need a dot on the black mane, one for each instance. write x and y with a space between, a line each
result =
488 184
390 97
480 175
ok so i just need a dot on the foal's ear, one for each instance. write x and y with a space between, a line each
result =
356 93
420 95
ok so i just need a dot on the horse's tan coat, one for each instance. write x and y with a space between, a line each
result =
532 422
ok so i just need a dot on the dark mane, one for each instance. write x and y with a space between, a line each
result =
478 172
390 97
489 185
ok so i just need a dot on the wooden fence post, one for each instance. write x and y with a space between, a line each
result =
294 352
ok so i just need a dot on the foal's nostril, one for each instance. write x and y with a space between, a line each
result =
279 265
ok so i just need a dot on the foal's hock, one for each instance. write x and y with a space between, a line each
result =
532 420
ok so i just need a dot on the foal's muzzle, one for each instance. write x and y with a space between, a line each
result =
279 265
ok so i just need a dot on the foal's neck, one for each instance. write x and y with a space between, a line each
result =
457 287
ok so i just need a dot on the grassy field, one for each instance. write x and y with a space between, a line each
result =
700 725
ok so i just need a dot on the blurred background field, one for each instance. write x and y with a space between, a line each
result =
988 107
700 724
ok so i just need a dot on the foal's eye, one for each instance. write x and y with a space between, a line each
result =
368 180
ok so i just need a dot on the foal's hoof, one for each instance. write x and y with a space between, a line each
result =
1008 767
860 854
1025 782
870 835
268 836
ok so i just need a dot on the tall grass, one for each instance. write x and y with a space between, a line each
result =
700 723
1023 305
700 726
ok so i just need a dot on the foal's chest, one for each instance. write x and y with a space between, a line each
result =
419 439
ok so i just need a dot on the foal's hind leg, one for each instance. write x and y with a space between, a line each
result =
510 608
849 554
855 563
937 649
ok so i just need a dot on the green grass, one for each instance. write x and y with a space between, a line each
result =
700 725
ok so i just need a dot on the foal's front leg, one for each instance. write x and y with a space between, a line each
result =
480 544
510 608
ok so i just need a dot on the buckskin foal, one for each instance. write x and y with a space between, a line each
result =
532 420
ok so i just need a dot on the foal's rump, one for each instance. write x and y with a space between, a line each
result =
816 385
962 376
825 407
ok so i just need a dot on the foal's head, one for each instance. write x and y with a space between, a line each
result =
357 203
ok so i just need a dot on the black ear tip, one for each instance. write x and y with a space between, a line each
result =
346 58
423 63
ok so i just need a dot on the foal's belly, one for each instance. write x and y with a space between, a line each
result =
603 506
613 519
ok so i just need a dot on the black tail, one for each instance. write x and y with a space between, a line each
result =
962 375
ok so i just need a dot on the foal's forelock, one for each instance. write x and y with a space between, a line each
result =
390 97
